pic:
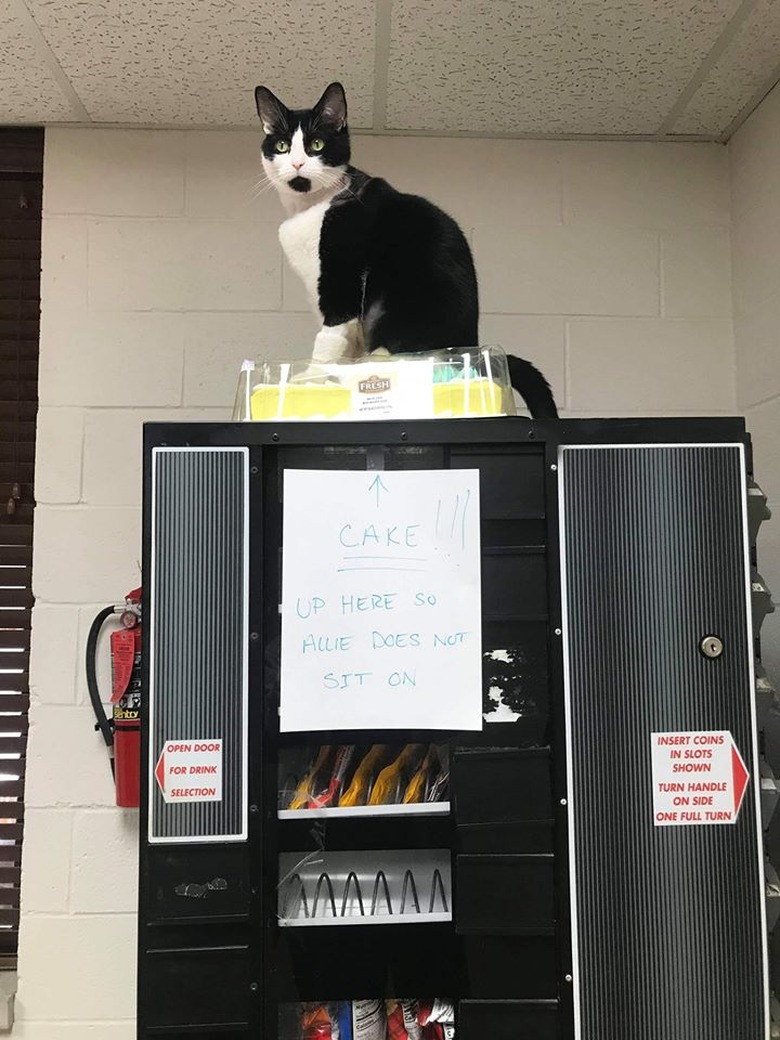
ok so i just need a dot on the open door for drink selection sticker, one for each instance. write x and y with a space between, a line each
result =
669 931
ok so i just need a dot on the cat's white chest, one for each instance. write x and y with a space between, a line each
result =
300 240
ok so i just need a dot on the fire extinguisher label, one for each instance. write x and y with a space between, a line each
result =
190 770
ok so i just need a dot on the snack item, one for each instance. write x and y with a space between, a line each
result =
418 786
344 1019
377 1020
437 1019
393 778
328 793
438 788
411 1013
314 778
316 1023
369 1020
396 1029
358 791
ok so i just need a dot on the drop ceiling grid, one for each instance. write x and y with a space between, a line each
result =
748 67
551 67
647 69
186 62
27 87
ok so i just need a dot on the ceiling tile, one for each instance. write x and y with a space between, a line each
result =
545 66
197 62
28 91
746 67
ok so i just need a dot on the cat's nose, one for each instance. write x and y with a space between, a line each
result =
297 165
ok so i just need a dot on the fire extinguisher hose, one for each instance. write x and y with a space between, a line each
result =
101 719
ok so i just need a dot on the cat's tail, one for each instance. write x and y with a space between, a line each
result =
532 387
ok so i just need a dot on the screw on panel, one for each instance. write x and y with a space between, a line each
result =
567 978
404 436
253 808
564 802
253 469
254 987
553 467
558 632
254 635
531 434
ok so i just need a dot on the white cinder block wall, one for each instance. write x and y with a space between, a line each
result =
755 177
607 264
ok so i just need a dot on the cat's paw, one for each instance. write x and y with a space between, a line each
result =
330 344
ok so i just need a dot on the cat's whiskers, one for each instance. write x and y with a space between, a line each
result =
341 179
261 187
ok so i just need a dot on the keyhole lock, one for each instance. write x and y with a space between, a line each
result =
711 646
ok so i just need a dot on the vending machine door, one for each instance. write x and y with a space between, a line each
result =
666 880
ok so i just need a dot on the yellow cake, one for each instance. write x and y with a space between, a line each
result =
454 399
301 402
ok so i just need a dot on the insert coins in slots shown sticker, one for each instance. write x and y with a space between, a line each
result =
699 778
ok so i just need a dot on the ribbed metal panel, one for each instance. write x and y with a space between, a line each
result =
668 920
198 635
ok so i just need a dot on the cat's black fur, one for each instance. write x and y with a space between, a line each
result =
395 262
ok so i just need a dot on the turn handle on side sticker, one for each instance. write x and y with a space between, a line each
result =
190 770
699 778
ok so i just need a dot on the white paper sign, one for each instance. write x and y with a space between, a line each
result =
190 771
381 600
699 778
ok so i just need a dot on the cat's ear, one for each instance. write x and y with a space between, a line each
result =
273 114
332 107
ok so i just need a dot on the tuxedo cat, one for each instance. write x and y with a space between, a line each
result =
382 269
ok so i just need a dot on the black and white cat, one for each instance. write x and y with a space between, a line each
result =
382 269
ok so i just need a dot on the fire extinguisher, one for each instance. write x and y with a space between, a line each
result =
122 732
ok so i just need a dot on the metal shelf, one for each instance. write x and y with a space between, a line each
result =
371 811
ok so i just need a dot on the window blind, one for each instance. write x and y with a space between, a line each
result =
21 186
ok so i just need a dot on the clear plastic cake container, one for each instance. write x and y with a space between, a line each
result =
445 384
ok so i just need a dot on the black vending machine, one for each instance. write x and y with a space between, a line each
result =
451 731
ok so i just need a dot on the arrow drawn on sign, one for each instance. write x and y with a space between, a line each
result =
380 487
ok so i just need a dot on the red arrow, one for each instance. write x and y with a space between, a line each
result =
159 771
740 776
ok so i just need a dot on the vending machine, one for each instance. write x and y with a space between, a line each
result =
452 730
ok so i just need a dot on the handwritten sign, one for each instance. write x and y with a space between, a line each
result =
381 607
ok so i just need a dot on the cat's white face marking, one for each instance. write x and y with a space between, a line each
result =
297 162
298 156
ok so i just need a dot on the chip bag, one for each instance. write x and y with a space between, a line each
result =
316 776
358 791
394 778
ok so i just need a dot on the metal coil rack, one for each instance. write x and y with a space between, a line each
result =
321 901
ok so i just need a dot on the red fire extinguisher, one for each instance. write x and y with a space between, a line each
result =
121 733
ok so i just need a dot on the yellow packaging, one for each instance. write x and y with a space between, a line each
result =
358 790
303 792
417 787
392 780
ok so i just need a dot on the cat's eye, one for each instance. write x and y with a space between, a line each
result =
282 146
317 144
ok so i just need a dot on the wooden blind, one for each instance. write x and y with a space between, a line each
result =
21 186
